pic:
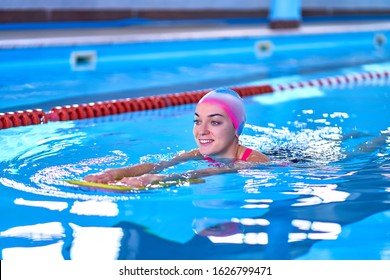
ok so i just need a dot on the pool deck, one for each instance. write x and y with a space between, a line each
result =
72 37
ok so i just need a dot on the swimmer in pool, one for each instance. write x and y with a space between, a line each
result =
218 122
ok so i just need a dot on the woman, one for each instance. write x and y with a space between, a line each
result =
219 119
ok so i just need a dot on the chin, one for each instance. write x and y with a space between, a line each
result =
205 152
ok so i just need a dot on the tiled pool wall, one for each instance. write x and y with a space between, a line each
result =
12 11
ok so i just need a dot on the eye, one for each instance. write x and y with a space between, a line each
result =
215 123
196 122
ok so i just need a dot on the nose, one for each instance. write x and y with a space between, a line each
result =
202 129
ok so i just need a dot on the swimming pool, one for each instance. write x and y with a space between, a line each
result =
43 77
324 196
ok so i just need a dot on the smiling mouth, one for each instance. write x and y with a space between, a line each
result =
205 141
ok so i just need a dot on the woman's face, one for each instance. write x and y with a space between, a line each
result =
214 132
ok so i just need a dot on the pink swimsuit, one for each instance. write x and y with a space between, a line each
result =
244 157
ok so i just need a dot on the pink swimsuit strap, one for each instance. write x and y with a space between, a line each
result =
246 154
244 157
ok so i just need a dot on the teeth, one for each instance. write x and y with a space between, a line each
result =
205 141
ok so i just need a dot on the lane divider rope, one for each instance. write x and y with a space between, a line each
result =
113 107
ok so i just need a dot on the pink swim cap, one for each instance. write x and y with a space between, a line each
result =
231 103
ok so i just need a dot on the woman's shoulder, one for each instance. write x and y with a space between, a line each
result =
256 156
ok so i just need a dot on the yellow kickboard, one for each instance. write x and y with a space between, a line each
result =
122 188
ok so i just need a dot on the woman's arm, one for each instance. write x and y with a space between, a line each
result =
147 179
110 175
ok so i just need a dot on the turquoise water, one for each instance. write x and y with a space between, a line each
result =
322 197
325 194
38 77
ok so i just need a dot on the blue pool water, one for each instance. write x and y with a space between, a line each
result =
325 195
43 77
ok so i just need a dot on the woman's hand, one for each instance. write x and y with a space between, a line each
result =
140 181
110 175
104 177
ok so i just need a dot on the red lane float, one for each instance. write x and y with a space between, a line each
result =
22 118
113 107
336 81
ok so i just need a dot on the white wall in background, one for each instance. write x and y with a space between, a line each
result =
186 4
346 4
136 4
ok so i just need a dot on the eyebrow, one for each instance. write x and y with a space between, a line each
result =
212 115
